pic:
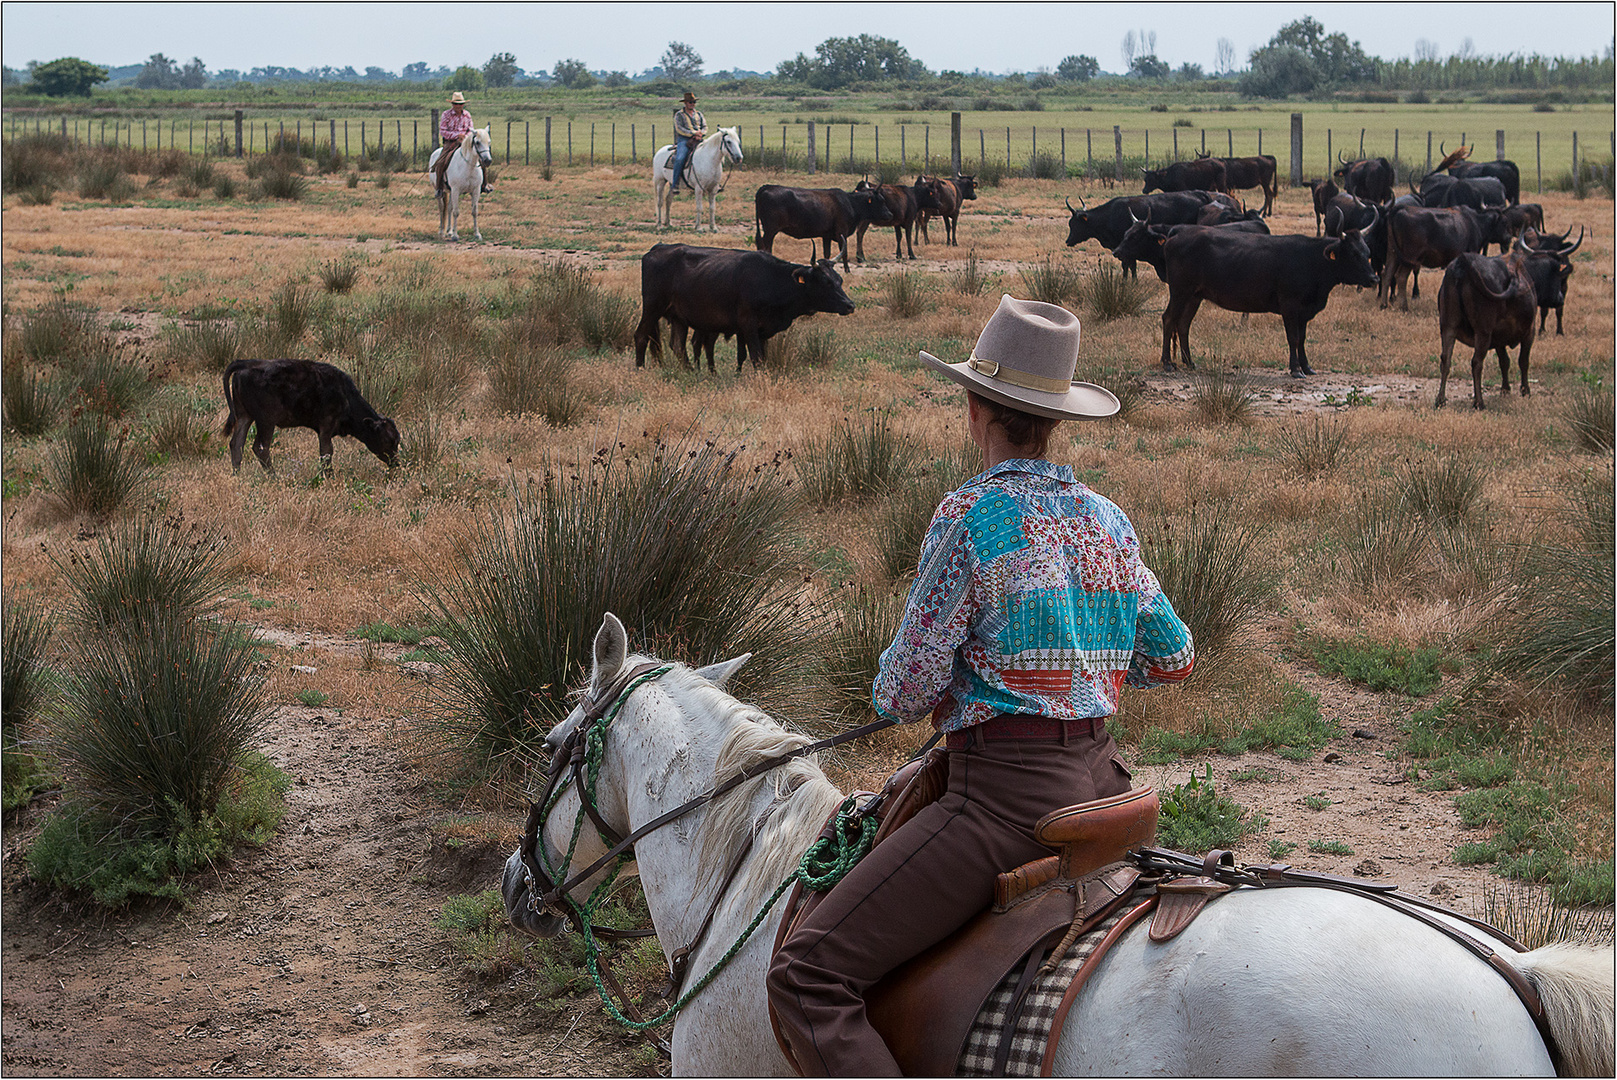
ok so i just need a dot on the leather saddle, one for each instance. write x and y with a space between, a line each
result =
924 1009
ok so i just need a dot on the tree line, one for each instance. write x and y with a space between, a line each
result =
1302 58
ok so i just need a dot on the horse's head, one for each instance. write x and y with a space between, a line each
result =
731 142
479 144
643 744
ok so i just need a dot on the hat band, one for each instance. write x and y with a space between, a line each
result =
994 370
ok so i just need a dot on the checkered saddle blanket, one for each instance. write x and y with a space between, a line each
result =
1002 1044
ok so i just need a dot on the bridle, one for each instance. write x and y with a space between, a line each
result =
572 762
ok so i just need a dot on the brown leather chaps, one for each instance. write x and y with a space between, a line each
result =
920 885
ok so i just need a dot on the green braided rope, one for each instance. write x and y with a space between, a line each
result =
826 862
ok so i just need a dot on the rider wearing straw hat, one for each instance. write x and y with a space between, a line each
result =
1031 607
690 128
453 126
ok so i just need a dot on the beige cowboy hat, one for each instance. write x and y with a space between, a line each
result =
1025 358
457 98
689 98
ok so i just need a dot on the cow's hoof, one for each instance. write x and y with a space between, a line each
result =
1525 391
1307 369
1299 374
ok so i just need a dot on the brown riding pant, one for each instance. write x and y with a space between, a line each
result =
450 146
920 885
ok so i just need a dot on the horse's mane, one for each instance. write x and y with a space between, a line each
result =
802 798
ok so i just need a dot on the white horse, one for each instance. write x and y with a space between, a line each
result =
705 171
1263 983
463 177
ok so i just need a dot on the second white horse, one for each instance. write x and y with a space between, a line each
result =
705 173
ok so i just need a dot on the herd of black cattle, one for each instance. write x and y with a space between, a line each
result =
1198 238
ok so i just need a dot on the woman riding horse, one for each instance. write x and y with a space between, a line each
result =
1030 609
453 126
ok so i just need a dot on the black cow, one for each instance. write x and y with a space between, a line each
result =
1145 242
301 393
904 204
1257 171
1324 191
1477 192
1487 304
1504 171
713 291
825 214
1203 174
1431 237
1109 221
1549 264
1368 178
1217 213
1348 212
1291 276
1520 217
950 192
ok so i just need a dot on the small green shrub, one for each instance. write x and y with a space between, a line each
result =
24 690
1317 802
104 178
213 344
201 174
1329 847
1591 414
889 172
1050 282
1382 542
398 635
91 472
224 187
991 173
1446 492
692 551
804 348
1279 849
352 180
1223 398
33 402
564 304
969 280
59 332
1312 448
906 294
856 464
37 195
863 626
1534 919
1394 666
81 851
339 275
144 569
313 698
282 184
1196 818
1209 572
1046 166
480 934
541 381
290 311
181 432
36 159
110 386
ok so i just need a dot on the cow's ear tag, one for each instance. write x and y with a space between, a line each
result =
1331 254
1162 240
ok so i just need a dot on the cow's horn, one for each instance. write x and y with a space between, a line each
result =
1082 203
1068 201
1340 160
1576 246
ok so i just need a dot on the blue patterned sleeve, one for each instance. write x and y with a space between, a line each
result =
916 668
1163 649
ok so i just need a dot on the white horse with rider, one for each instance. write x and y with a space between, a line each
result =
704 171
463 178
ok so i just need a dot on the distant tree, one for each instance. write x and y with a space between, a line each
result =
226 77
1189 72
1426 50
681 62
572 74
1224 57
160 73
1149 67
501 70
1042 79
1336 59
194 76
67 77
464 77
1078 69
840 61
1279 70
416 72
10 76
378 75
617 78
1130 49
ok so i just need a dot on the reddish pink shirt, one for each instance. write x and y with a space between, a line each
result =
451 126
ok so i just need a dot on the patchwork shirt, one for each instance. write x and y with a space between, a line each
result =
452 126
1030 599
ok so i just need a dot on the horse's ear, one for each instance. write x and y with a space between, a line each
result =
719 674
611 649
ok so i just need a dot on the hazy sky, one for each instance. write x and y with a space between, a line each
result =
996 37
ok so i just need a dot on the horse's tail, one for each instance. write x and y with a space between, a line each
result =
1576 985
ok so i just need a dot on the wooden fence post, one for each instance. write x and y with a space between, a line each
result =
954 142
1361 144
238 132
592 143
1032 161
926 147
569 143
1499 144
1260 142
1117 144
982 147
632 152
508 124
614 144
1204 140
1538 154
1229 133
1395 155
813 158
1063 153
1428 151
1330 160
547 146
903 155
1577 173
527 138
1148 148
1296 149
1089 150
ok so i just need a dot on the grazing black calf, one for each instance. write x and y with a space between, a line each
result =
301 393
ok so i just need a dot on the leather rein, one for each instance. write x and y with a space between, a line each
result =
546 895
